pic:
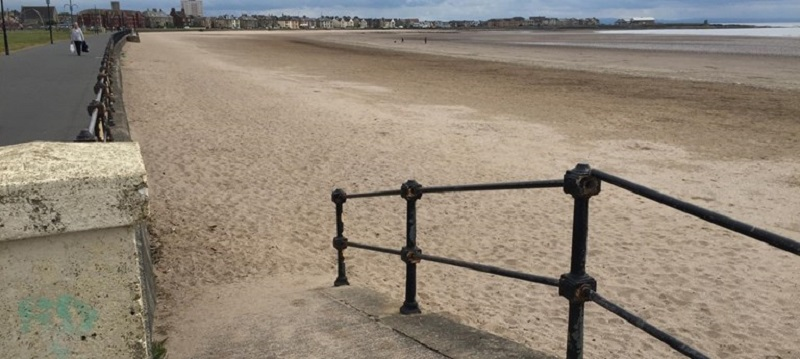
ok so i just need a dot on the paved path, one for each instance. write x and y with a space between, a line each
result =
44 91
300 317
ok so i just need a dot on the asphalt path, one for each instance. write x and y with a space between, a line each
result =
44 91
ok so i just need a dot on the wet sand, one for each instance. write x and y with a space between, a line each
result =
245 134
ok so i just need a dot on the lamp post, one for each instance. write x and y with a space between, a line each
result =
3 15
49 21
71 17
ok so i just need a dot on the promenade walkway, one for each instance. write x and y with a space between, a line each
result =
44 91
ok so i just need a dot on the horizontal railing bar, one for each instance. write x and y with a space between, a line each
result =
721 220
395 192
468 187
494 186
93 118
492 270
469 265
93 122
640 323
373 248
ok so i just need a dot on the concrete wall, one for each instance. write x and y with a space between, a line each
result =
71 260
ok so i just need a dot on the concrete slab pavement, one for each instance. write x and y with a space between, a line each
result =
44 91
307 318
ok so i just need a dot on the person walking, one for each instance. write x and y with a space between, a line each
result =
77 38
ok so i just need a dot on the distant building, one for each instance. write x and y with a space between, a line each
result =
204 22
642 21
464 23
192 7
388 24
179 18
509 22
91 18
288 22
225 22
324 23
109 18
247 22
267 21
543 22
156 18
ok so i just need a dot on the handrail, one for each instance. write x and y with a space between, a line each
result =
468 188
101 108
582 183
93 120
640 323
721 220
553 282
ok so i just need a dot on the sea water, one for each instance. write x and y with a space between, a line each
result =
783 40
768 30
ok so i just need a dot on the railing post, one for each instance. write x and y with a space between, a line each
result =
579 183
340 242
411 191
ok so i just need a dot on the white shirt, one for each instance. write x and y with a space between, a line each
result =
77 34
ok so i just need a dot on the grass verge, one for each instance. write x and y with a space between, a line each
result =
18 40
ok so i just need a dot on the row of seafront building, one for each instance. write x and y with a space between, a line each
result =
178 19
157 18
175 19
31 17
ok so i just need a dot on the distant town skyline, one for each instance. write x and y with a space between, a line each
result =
741 10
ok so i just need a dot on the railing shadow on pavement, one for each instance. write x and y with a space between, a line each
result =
101 109
577 286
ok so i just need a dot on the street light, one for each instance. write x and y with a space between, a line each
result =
49 21
71 18
3 15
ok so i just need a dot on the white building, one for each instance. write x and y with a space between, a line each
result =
192 7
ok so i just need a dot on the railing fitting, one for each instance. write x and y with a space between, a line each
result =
580 183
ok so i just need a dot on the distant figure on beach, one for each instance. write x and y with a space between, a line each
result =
426 39
77 38
401 40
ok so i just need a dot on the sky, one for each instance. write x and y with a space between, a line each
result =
756 10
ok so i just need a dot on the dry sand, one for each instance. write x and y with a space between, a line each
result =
245 134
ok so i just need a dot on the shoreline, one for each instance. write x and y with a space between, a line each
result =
584 51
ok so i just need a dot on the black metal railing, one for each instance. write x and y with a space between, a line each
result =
582 183
101 109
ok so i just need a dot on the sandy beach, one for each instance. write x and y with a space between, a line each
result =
245 135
